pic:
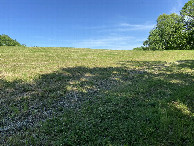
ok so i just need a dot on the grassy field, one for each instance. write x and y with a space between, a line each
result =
70 96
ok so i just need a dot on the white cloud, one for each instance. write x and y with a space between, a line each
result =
177 7
119 36
123 27
113 42
129 27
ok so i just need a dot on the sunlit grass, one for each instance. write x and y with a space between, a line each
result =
81 96
184 109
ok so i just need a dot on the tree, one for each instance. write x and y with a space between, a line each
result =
5 40
188 9
173 32
187 14
168 34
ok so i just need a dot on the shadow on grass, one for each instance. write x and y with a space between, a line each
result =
149 104
186 64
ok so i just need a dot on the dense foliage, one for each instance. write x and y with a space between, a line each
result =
173 32
169 34
5 40
187 14
188 9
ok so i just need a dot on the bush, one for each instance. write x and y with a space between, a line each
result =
141 48
138 48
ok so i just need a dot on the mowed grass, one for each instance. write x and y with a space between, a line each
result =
80 96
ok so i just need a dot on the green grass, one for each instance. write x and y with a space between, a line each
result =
71 96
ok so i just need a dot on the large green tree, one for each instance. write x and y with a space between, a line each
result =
168 34
173 32
188 9
187 14
5 40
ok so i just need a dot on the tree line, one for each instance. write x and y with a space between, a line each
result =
5 40
173 31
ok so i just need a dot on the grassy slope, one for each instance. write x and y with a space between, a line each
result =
83 96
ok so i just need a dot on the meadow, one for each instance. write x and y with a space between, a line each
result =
81 96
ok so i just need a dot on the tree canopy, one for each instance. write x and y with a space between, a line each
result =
188 9
5 40
173 31
187 14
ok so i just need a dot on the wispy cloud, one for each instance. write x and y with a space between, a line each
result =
130 27
120 36
113 42
123 27
177 6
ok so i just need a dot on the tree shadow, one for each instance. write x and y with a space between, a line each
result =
145 95
173 75
186 64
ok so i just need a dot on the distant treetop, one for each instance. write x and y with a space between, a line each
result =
173 31
5 40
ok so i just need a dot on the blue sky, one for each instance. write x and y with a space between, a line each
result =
97 24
